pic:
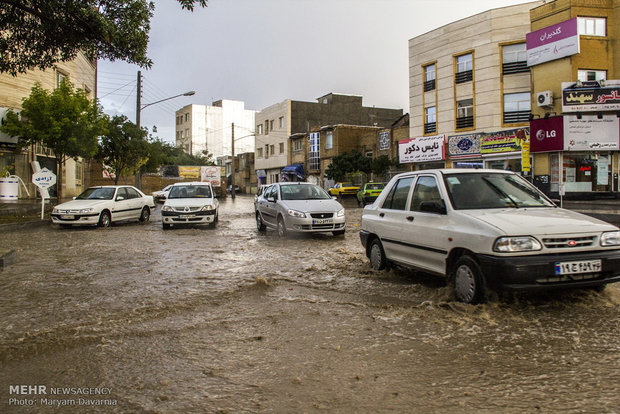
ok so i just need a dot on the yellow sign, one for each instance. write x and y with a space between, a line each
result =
189 172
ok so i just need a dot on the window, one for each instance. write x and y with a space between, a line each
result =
397 197
464 68
266 127
315 160
131 193
281 147
368 154
259 153
591 75
272 149
329 140
298 145
517 107
281 122
465 114
266 150
425 191
78 173
430 121
60 77
187 133
187 117
271 125
429 78
514 59
592 26
259 129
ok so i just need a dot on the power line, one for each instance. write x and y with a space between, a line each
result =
127 84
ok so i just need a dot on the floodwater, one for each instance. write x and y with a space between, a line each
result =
231 320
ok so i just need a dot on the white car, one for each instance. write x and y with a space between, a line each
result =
103 206
487 229
162 194
190 203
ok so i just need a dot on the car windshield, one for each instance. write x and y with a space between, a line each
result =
347 184
303 192
97 193
492 190
190 191
377 186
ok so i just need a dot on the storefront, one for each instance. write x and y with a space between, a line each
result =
503 150
464 151
424 152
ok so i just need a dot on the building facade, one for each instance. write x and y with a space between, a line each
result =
470 92
279 123
209 128
82 72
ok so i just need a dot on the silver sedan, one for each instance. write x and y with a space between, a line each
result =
299 207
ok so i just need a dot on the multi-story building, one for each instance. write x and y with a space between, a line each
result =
82 72
277 124
470 94
574 59
209 128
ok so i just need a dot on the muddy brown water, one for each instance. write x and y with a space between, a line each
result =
231 320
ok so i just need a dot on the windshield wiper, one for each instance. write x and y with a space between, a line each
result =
500 191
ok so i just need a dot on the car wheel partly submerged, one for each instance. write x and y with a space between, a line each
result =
104 219
145 215
378 261
166 226
281 227
260 226
469 284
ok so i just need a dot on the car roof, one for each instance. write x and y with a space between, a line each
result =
192 183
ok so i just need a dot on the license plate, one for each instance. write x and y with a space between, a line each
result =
67 217
322 221
188 216
583 266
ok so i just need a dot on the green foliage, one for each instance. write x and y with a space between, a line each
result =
64 120
39 33
347 163
124 149
162 153
381 164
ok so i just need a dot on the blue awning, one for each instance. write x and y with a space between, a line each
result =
294 169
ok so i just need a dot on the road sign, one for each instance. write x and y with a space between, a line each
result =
44 178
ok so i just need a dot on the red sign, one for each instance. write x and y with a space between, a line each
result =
547 134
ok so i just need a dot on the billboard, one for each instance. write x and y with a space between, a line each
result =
589 132
213 174
463 146
423 149
189 172
591 96
547 134
504 141
553 42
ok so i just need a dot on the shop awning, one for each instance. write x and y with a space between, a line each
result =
296 170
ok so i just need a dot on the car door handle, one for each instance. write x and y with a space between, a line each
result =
410 218
381 214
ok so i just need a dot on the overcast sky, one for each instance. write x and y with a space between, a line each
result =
265 51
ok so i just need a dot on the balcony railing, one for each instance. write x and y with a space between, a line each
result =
465 76
515 67
429 85
465 122
516 117
430 127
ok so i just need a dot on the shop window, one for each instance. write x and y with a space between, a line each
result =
517 107
464 68
586 172
592 26
514 59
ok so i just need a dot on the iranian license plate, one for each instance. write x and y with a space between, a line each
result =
583 266
188 216
322 221
67 217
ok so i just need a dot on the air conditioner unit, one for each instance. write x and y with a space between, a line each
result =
544 98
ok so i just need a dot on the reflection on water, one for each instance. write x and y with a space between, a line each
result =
199 319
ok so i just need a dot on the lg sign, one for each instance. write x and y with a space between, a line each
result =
541 134
549 134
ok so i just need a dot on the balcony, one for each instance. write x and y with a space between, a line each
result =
429 85
430 128
517 117
465 122
465 76
515 67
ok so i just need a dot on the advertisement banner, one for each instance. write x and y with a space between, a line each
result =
189 172
504 141
384 140
589 132
422 149
211 174
594 98
552 42
463 146
547 134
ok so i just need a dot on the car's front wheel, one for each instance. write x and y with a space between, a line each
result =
166 226
260 226
105 220
468 280
378 261
281 227
145 215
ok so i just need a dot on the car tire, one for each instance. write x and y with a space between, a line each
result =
145 215
166 226
338 232
260 226
468 281
281 227
376 254
217 217
105 220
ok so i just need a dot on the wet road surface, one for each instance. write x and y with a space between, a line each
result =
232 320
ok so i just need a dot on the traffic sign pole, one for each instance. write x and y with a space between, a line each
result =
43 179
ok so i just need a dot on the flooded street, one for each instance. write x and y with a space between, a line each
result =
232 320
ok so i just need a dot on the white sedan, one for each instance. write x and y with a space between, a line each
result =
161 195
101 206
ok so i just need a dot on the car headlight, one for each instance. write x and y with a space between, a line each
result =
295 213
167 208
516 244
55 211
208 207
86 210
340 213
610 238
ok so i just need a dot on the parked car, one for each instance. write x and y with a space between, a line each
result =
162 194
299 207
190 203
259 191
369 193
341 189
487 229
103 206
237 189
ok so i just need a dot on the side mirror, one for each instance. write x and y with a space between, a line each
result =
271 199
437 207
74 198
120 198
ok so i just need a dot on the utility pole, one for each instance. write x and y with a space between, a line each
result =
232 163
138 182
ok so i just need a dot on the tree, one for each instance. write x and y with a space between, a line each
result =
162 153
381 164
124 149
63 120
347 163
40 33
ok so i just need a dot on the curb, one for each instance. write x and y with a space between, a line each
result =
7 258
